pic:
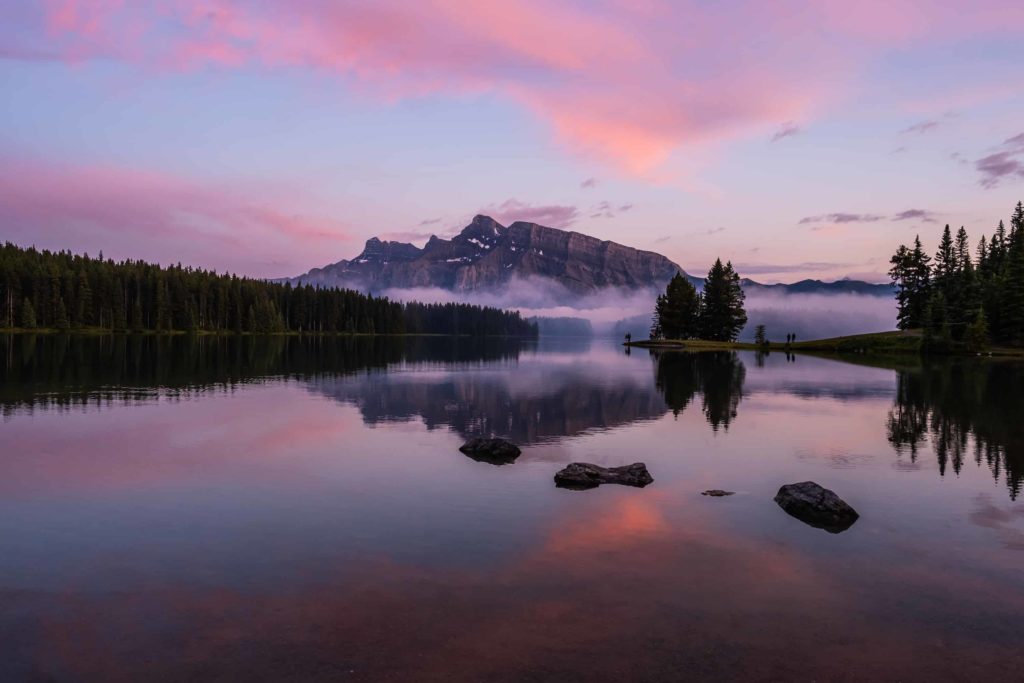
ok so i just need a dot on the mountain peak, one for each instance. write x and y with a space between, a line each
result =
483 233
483 219
377 250
487 255
483 226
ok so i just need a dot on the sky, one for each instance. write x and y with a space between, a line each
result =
267 137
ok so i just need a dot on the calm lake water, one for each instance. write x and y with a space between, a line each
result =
294 509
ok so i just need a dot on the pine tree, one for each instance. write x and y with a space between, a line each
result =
937 323
677 311
962 248
1013 296
760 336
722 315
660 306
946 265
60 316
977 336
1017 220
83 314
28 315
898 273
909 293
138 319
967 296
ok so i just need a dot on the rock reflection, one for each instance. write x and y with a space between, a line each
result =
966 410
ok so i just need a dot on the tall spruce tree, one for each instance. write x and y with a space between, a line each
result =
28 314
920 282
911 275
1013 298
677 311
967 292
722 314
946 265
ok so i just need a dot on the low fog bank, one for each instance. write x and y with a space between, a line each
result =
818 316
539 297
808 316
613 312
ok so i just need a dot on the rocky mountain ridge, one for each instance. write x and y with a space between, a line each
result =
486 256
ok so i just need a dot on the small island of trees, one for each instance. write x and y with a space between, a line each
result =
715 314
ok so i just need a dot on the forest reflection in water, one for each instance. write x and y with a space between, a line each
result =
297 508
960 409
967 409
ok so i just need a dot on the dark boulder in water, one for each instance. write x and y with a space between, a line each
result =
817 506
583 475
493 450
716 493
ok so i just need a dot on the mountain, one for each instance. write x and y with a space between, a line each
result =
820 287
486 256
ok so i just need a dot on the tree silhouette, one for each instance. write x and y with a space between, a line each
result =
677 311
59 290
722 314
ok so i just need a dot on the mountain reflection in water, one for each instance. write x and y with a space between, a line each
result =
967 409
296 508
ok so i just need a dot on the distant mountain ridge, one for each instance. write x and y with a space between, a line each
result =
487 256
820 287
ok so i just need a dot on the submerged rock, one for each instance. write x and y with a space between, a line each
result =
583 475
493 450
816 506
717 493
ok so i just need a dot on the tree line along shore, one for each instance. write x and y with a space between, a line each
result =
59 291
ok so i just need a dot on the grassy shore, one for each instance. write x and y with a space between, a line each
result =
878 343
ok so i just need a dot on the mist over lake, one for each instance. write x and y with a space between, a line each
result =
612 312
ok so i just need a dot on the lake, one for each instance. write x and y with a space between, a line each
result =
297 509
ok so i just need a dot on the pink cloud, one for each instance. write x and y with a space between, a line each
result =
623 83
920 127
786 130
136 213
838 218
1007 163
512 210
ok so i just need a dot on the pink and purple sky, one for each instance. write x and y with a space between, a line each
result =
266 137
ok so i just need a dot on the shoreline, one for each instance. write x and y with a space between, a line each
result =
876 343
101 332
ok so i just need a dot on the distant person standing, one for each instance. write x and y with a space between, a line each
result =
629 337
